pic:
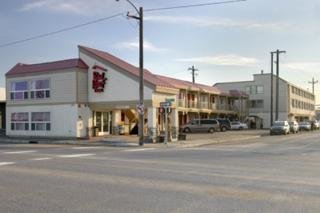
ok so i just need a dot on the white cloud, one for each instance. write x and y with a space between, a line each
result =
310 67
148 46
79 7
212 22
222 60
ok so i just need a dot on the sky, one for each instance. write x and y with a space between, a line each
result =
228 42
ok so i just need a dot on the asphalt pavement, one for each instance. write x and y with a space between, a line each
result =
267 174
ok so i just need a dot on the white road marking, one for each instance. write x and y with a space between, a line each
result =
138 150
20 152
75 155
39 159
6 163
86 147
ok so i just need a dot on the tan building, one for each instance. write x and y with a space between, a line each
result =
295 103
98 92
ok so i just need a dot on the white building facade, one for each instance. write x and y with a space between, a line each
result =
295 103
96 94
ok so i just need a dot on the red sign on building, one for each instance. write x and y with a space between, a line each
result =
99 79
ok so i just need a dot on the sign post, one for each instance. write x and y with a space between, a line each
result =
166 106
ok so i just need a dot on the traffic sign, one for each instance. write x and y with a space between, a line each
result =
140 109
165 104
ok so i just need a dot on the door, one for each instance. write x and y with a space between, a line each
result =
102 122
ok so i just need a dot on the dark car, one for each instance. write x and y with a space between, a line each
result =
202 125
224 124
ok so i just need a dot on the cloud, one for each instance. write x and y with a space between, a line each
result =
212 22
78 7
309 67
148 46
222 60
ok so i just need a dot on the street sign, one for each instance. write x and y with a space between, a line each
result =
140 109
165 104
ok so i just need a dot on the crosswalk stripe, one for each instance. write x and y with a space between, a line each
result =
86 147
40 159
6 163
138 150
75 155
20 152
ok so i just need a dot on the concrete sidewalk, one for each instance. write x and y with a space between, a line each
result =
193 140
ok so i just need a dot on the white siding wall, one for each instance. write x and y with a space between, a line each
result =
82 78
119 86
84 121
62 87
63 120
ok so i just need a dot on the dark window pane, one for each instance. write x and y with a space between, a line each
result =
25 95
48 127
40 94
26 126
12 96
33 126
47 93
12 126
32 94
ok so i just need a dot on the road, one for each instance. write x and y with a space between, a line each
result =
270 174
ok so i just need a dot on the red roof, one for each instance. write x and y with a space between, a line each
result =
22 69
148 76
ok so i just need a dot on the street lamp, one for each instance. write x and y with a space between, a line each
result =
140 106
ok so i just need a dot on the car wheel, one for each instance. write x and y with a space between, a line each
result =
187 130
223 129
211 130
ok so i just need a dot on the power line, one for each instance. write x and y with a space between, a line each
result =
192 5
113 16
59 31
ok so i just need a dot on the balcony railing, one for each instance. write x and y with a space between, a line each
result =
193 104
204 105
181 103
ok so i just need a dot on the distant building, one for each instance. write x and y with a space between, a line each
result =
97 94
295 103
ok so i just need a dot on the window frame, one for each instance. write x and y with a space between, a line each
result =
35 124
34 90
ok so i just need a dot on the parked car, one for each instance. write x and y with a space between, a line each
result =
224 124
237 125
280 127
294 126
201 125
305 125
315 125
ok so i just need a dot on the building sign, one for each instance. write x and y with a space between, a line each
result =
99 79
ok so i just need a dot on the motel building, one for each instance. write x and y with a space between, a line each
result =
96 94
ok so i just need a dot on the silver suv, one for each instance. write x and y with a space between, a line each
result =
201 125
280 127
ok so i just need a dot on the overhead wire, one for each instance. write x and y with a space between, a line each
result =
110 17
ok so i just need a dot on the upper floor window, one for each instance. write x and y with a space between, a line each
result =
19 90
248 90
260 90
40 89
20 121
40 121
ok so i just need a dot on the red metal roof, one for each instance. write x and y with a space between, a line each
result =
148 76
22 69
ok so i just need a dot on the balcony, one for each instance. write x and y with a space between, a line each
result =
204 105
181 102
192 104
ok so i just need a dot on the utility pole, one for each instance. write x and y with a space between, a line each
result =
278 52
271 95
141 86
313 82
193 72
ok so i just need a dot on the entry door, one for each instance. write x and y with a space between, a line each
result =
102 120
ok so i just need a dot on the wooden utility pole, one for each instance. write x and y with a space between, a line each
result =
193 72
313 82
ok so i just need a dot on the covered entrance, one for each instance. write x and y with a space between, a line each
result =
103 122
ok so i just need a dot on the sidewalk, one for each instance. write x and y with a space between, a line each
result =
193 140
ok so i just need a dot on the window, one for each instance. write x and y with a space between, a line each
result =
248 90
260 90
40 121
256 104
40 89
19 90
20 121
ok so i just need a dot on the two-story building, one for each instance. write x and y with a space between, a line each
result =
70 98
295 103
